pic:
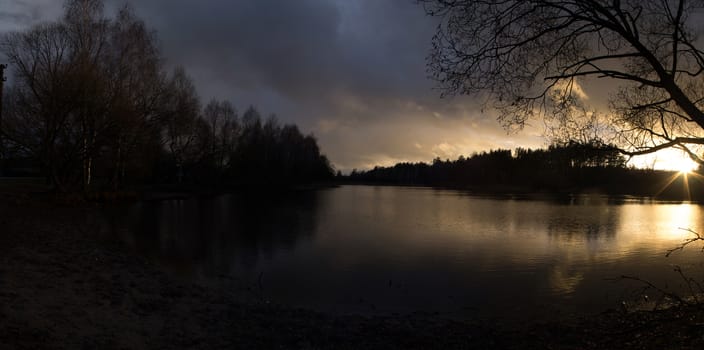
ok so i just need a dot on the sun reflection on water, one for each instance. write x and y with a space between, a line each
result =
676 219
657 228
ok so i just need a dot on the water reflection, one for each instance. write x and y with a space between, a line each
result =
213 235
388 249
563 281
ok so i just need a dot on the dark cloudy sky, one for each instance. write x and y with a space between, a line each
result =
352 72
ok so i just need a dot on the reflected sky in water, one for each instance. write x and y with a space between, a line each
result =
397 249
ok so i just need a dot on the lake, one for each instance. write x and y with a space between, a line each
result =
380 250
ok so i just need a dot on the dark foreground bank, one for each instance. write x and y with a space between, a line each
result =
62 285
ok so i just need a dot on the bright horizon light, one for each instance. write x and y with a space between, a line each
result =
668 159
687 166
682 164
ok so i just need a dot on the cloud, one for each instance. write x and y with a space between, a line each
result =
420 137
573 87
19 14
307 50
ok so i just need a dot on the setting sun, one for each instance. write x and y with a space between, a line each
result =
682 164
687 167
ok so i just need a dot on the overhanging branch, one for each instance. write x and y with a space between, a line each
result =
678 141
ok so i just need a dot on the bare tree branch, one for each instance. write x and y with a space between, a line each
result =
519 52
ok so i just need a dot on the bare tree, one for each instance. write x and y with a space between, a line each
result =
2 92
41 98
222 122
527 57
181 122
88 33
138 89
86 88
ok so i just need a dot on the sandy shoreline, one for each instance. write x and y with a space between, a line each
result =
63 287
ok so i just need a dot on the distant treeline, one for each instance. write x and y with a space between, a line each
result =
569 167
91 106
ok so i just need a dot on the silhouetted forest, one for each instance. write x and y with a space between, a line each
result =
571 167
91 106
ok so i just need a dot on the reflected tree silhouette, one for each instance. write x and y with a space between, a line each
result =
218 235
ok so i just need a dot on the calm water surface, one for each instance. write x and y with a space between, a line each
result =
393 249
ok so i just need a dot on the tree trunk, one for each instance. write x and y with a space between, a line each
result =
118 165
2 139
86 170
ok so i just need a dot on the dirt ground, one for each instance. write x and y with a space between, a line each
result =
62 287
